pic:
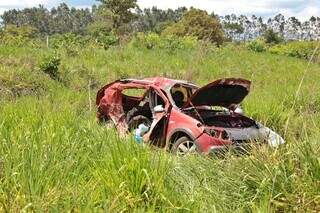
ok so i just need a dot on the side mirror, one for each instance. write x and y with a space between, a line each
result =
158 109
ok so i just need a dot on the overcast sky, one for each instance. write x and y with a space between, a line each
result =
303 9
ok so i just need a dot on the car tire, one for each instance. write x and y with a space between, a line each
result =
184 146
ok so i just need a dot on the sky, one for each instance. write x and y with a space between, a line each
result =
302 9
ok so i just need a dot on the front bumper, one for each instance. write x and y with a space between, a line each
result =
240 141
235 149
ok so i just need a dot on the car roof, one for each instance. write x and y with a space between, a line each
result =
162 82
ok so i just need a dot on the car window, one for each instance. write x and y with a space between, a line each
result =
156 99
180 94
134 92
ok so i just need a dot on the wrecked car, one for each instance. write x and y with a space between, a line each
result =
181 117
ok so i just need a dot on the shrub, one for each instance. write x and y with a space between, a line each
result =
50 65
271 37
71 42
170 42
67 40
298 49
258 45
101 34
152 40
197 23
18 36
106 41
173 43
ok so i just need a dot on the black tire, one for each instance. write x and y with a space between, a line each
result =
134 122
184 146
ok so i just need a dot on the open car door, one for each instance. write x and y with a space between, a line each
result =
160 109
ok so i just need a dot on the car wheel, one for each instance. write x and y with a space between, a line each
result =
184 146
136 121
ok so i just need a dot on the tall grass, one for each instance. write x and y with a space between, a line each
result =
55 157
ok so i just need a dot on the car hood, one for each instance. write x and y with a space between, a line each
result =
224 92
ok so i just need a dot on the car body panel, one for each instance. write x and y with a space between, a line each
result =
180 122
225 92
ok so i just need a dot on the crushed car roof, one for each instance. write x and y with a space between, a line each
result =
162 82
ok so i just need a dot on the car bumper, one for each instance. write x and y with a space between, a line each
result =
208 144
235 148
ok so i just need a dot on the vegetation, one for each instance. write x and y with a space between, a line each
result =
61 19
125 18
50 65
299 49
55 157
199 24
17 36
257 45
170 43
303 50
120 10
271 37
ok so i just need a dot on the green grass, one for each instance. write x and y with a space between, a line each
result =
55 157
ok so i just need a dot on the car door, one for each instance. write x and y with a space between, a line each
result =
160 109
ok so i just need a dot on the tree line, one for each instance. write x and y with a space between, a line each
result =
248 28
124 17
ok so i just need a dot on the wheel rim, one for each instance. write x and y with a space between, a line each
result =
186 147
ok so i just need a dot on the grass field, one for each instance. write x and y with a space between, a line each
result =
55 157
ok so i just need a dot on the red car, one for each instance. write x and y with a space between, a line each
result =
182 117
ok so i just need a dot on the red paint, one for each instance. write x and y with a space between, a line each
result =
113 105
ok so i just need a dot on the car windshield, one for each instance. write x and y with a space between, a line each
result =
180 93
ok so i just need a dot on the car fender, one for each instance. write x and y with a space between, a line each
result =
186 131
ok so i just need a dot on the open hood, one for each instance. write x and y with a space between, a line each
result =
224 92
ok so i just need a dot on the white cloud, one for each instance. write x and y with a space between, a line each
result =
302 9
19 4
22 3
266 8
83 6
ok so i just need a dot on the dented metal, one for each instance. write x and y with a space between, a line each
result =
174 109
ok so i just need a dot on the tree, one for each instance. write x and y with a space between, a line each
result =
121 10
271 37
199 24
36 17
22 31
277 24
58 20
102 22
292 29
156 20
234 30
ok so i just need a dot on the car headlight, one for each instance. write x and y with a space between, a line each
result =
274 139
217 133
224 135
212 132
